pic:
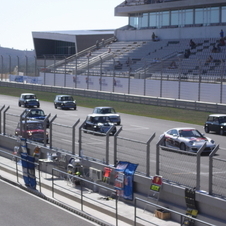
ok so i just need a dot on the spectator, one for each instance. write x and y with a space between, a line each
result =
214 49
109 50
187 53
153 36
192 44
221 42
115 39
209 59
222 33
172 65
103 42
97 44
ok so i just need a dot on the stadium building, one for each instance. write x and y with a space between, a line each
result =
155 41
171 19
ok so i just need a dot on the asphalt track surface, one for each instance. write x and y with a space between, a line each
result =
133 127
20 208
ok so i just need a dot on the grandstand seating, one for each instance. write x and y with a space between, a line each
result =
149 58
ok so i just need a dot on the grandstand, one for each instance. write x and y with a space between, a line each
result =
132 52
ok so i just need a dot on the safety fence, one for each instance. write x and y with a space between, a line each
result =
217 181
176 166
207 106
68 189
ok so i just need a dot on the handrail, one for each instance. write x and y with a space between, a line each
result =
79 54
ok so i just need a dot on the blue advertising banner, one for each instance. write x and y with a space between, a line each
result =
28 167
124 179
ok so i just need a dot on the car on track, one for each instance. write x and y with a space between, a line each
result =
65 102
28 100
216 123
187 139
35 114
98 123
32 130
110 112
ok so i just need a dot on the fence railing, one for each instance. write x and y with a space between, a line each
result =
59 184
182 216
110 149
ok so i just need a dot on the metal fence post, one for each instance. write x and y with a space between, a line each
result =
35 67
44 70
114 81
115 145
73 136
65 68
222 77
26 63
107 144
211 169
101 68
198 163
158 153
76 69
1 118
87 80
80 140
4 119
9 65
148 155
50 131
45 126
2 68
18 65
54 72
161 81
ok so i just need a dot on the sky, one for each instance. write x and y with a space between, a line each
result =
19 18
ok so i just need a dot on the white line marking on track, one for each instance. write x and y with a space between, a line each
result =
137 128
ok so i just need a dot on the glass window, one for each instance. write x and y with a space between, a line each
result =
175 17
165 18
214 15
188 16
223 14
144 20
199 16
133 21
153 20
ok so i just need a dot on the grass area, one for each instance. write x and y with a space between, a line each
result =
173 114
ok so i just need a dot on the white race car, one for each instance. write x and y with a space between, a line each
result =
187 139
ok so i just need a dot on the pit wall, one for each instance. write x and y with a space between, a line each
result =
211 209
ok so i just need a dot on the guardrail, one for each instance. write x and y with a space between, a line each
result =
182 216
59 186
122 97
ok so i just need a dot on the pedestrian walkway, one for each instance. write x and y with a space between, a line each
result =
96 206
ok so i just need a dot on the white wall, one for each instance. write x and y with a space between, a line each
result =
209 92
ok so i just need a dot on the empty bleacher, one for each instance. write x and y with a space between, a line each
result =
135 58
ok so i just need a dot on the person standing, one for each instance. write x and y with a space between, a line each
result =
222 34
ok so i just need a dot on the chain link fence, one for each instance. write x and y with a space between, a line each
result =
175 166
178 167
219 177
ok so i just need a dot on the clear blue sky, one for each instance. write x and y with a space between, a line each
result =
20 17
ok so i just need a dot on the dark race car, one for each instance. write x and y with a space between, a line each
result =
110 112
98 123
65 102
216 123
28 100
35 114
187 139
32 130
